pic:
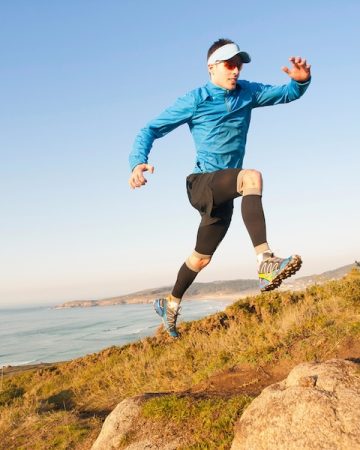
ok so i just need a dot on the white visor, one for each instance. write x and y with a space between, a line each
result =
227 51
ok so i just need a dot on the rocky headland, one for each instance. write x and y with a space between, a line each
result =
215 289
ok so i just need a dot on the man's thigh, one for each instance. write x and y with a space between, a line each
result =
225 185
213 228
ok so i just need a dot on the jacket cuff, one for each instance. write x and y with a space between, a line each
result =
303 83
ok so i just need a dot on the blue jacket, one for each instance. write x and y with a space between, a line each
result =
218 120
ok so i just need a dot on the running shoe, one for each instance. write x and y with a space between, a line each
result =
273 271
169 315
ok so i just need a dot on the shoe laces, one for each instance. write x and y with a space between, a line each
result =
172 315
270 264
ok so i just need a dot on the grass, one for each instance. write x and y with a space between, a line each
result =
201 423
64 405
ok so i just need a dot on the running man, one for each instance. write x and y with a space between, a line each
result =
218 115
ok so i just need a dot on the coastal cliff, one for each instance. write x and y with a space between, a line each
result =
200 385
196 291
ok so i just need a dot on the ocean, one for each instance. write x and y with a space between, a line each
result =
45 334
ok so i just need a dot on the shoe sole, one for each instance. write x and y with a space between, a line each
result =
291 268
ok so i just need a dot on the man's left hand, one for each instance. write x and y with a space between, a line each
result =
300 70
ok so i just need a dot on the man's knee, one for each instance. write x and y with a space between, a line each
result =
249 182
196 261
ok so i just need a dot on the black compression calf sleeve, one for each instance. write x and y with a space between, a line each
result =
184 279
254 219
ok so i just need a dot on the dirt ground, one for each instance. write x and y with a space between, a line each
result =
251 381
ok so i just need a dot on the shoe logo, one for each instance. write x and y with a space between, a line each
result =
269 270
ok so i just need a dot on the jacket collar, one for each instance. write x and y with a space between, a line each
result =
215 90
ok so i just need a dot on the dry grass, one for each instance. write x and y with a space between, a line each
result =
205 423
63 406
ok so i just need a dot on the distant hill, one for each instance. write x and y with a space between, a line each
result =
303 282
196 291
214 289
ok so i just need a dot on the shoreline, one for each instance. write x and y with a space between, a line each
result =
8 369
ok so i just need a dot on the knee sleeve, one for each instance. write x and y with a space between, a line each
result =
247 190
192 266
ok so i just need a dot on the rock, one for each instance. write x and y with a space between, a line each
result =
117 425
317 407
123 429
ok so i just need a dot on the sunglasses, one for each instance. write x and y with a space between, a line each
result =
233 63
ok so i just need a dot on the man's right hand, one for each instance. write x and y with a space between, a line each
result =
137 178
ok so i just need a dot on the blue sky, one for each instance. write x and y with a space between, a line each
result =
78 79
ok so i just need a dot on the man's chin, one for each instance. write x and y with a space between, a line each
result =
232 85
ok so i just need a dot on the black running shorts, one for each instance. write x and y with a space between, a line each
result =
215 218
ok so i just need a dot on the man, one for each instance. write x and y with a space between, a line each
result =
218 115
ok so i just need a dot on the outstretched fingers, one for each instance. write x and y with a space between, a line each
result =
299 63
299 70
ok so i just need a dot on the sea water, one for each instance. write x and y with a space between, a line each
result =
45 334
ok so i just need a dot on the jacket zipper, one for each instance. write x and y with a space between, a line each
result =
228 106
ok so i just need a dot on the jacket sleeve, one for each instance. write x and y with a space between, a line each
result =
266 95
177 114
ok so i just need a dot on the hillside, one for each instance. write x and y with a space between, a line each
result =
207 377
222 288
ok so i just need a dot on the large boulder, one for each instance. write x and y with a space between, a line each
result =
316 407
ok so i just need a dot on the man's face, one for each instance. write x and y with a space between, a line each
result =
226 73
